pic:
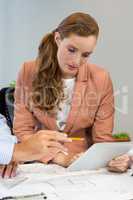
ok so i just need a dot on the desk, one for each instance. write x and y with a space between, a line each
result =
58 184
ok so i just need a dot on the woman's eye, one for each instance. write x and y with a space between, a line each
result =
72 50
86 55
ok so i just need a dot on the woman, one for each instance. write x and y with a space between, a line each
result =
62 91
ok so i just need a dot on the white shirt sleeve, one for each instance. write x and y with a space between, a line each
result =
7 142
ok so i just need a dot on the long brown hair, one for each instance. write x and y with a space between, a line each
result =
47 87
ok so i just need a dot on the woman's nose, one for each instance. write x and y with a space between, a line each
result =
77 60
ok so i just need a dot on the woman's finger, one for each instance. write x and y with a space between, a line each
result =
118 166
58 137
51 154
57 145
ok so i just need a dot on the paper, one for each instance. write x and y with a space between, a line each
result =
99 154
12 182
37 170
60 185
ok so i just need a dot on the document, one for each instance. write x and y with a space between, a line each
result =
99 154
97 184
37 171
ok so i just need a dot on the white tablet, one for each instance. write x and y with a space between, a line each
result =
99 154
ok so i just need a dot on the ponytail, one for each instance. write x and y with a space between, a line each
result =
47 85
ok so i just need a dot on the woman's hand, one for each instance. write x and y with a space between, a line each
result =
75 148
65 160
8 171
44 144
119 164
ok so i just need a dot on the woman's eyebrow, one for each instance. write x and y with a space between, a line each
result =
86 52
72 46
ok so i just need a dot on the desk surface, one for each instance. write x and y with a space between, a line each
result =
58 184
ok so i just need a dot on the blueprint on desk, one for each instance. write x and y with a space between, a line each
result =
59 184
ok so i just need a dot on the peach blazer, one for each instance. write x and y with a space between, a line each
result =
92 109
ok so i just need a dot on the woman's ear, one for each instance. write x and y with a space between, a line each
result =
57 38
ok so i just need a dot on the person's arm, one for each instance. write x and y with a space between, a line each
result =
104 119
3 126
7 142
6 149
34 148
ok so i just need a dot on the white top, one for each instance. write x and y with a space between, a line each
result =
66 104
7 142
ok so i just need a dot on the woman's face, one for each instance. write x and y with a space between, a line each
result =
73 51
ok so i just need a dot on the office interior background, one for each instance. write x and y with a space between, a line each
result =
23 24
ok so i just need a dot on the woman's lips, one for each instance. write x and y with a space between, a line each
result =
72 67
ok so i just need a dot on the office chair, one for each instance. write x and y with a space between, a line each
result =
7 104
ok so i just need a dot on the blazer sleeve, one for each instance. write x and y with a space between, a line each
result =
24 122
104 118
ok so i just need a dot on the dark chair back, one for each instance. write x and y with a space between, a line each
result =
7 104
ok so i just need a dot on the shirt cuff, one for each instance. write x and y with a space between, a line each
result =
6 150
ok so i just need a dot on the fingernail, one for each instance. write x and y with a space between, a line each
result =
69 139
65 135
66 153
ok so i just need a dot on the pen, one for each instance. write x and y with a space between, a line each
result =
76 138
25 196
